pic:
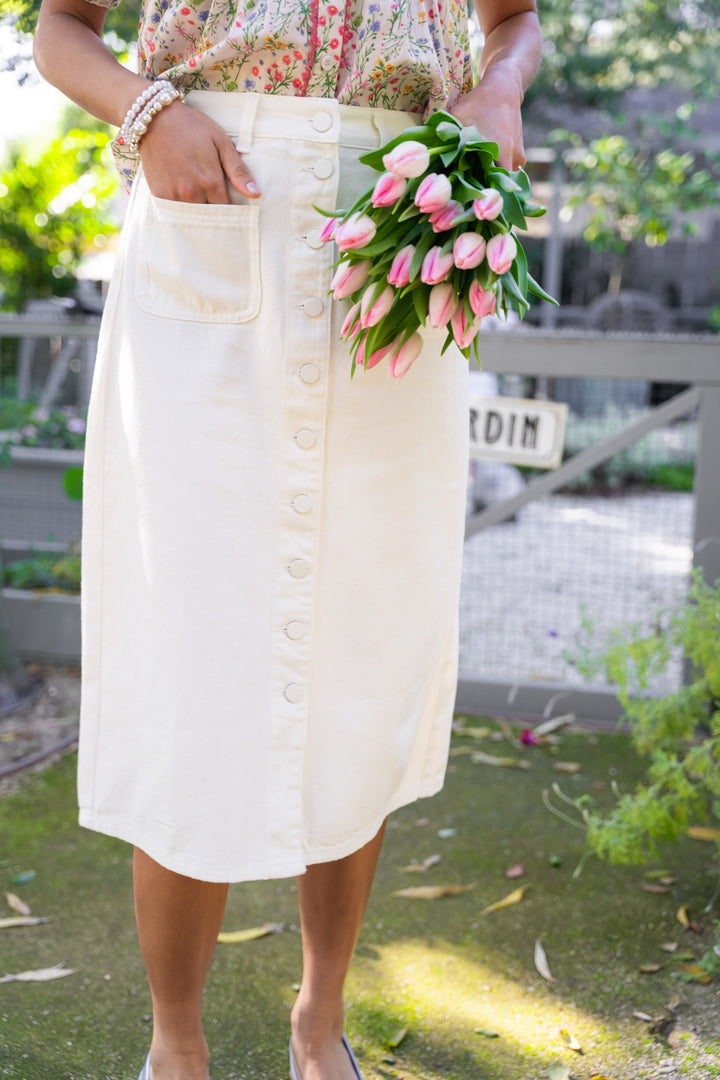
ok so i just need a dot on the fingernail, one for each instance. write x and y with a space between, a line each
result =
252 189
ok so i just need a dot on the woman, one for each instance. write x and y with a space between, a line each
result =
271 552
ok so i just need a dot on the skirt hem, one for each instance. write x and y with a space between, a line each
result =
290 867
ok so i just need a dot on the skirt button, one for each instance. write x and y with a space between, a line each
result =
293 692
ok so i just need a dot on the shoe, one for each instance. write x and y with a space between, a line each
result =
145 1073
293 1071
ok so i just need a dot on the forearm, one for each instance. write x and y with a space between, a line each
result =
70 54
513 49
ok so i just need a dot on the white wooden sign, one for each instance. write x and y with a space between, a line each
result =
518 430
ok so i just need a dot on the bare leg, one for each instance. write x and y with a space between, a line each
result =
178 920
332 900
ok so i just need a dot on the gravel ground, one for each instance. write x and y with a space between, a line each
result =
525 583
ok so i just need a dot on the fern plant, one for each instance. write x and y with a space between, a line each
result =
679 733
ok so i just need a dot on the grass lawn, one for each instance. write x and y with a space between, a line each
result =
463 984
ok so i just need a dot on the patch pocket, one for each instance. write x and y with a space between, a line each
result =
199 262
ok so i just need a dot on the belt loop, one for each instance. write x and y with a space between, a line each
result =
246 122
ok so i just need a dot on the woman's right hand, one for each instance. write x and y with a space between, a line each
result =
187 157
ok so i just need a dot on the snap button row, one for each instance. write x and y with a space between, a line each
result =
313 306
302 503
295 630
293 692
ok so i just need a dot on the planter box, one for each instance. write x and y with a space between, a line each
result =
42 625
33 503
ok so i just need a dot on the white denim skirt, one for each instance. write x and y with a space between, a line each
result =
271 550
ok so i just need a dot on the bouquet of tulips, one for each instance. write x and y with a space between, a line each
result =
431 244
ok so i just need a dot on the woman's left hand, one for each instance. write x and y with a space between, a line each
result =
493 106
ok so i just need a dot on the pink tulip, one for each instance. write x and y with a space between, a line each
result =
351 322
356 232
388 189
402 356
327 232
469 250
408 158
399 273
374 357
434 191
489 205
375 304
446 216
501 251
463 329
436 266
349 277
441 305
482 301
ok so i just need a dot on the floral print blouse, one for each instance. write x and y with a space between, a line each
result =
411 55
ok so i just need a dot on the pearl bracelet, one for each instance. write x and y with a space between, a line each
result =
147 105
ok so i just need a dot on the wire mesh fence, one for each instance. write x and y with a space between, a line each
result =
609 551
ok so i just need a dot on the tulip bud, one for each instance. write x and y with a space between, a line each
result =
351 322
349 277
501 251
388 189
433 192
489 205
327 232
436 266
469 250
356 232
482 301
375 304
399 273
446 216
408 158
374 357
464 330
441 305
402 356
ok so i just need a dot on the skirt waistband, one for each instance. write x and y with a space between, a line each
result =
246 117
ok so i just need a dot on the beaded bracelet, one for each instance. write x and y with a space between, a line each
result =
146 106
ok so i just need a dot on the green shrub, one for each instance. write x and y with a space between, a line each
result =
44 571
678 733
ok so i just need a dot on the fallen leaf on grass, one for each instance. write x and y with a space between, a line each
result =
17 904
479 758
541 963
694 973
569 767
653 887
507 901
487 1033
682 916
458 751
432 892
642 1016
475 732
655 875
23 879
421 867
515 871
22 920
703 832
39 974
397 1038
687 955
669 946
649 969
232 937
673 1003
445 834
559 1072
552 725
571 1041
597 1076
